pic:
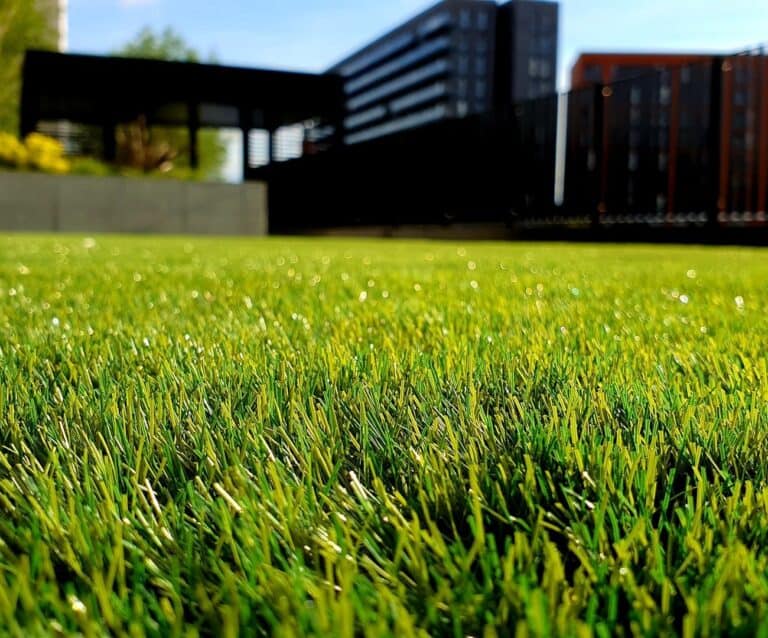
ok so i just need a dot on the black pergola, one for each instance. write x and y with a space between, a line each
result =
107 91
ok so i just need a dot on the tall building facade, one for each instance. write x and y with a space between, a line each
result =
529 36
458 58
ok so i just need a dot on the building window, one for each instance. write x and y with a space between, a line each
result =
418 97
433 114
465 19
593 73
401 62
365 117
258 148
438 67
634 161
739 121
482 21
379 53
288 142
480 88
481 66
545 45
434 24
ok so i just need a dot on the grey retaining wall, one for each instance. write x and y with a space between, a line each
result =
52 203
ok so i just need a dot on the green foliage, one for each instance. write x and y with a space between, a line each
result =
22 27
91 167
359 438
169 45
88 166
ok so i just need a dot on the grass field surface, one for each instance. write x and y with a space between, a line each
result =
372 438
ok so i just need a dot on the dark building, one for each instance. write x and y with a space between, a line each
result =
680 137
103 92
646 118
743 170
457 59
529 36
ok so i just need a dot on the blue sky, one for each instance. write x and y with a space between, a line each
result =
313 34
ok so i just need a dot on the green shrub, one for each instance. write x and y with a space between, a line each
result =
91 166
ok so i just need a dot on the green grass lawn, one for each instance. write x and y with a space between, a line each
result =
370 438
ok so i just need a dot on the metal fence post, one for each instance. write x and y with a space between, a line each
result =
598 148
714 139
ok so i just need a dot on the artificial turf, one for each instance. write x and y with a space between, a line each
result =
368 438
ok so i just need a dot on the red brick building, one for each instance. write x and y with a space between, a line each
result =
657 111
605 68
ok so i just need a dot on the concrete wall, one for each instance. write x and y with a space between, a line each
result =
50 203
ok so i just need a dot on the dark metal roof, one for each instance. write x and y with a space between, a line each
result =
92 89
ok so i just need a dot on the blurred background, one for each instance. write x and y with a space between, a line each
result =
512 85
